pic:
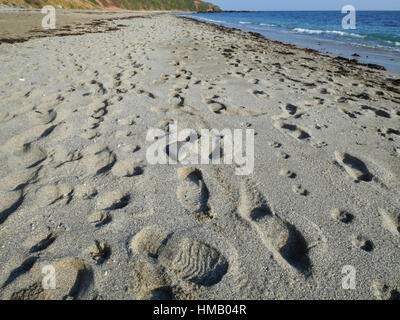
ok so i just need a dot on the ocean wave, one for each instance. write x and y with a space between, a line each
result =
244 22
339 33
384 37
268 25
210 20
345 34
309 31
395 43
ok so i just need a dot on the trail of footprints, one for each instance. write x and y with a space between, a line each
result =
163 262
192 192
74 275
73 279
357 171
287 173
281 238
187 259
355 168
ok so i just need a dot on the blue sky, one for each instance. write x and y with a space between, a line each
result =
306 4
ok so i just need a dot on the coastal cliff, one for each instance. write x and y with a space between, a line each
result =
181 5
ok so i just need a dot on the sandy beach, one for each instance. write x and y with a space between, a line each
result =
78 193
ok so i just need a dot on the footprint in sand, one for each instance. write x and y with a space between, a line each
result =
215 106
258 93
290 109
384 291
9 202
129 121
60 194
40 242
353 166
121 134
100 159
127 168
99 218
189 259
85 192
282 155
299 189
45 116
175 63
145 93
72 281
177 100
274 144
24 267
39 132
388 131
361 242
287 245
113 200
377 112
194 261
61 156
293 130
341 215
163 79
99 113
192 192
287 173
29 156
99 89
93 122
150 241
348 113
90 134
390 221
18 180
150 280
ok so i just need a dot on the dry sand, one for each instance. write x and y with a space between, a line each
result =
77 193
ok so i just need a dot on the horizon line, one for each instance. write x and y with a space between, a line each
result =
241 10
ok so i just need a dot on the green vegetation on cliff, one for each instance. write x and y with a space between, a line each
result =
188 5
183 5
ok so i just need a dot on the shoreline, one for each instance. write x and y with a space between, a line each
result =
64 29
125 15
362 53
293 46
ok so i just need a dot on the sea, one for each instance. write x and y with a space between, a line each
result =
376 37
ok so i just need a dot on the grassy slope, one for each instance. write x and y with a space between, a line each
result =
188 5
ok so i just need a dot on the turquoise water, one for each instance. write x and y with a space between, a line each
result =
376 37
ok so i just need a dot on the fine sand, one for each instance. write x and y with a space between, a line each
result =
78 194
